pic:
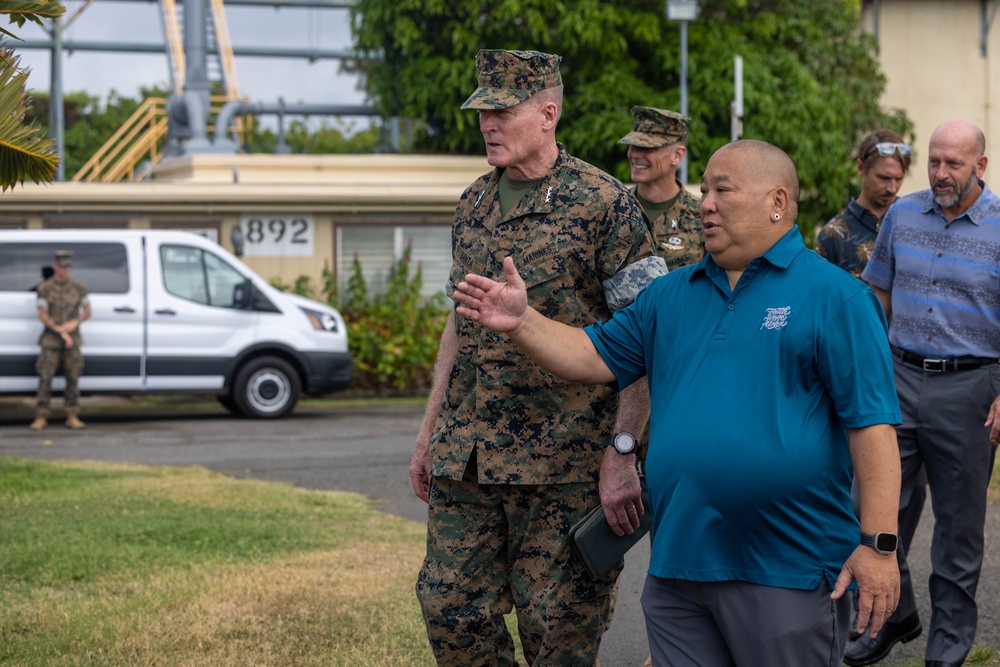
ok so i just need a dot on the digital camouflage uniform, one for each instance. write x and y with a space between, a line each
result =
678 233
848 238
516 452
64 300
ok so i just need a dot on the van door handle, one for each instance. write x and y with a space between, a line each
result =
165 311
124 309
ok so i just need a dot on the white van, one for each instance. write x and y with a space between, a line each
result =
171 312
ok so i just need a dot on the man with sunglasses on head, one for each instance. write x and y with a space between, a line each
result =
934 270
848 238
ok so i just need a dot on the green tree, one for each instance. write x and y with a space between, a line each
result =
24 152
87 122
811 82
329 137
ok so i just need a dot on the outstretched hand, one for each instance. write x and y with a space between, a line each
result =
497 306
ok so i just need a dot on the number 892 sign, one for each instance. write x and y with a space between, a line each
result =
277 234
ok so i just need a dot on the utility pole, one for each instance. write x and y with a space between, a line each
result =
736 106
683 11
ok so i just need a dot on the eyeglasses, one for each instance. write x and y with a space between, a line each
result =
888 149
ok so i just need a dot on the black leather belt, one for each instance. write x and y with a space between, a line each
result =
930 365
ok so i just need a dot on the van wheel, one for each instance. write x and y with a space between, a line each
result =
266 388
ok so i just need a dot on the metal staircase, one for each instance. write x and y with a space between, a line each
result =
141 137
224 47
175 44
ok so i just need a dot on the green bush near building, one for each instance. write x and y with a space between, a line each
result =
393 336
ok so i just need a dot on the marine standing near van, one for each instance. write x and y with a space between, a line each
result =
63 304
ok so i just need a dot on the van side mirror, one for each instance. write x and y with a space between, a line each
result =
243 295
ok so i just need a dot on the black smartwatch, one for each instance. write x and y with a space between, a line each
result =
884 543
624 443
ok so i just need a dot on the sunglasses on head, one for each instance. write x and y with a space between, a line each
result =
888 149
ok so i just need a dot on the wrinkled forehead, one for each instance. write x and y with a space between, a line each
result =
952 144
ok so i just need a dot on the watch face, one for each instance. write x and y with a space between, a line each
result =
625 443
885 542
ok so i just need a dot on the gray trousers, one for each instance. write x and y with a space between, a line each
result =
739 624
943 432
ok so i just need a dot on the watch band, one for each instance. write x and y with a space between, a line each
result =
883 543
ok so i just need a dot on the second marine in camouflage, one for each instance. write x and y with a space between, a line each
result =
657 144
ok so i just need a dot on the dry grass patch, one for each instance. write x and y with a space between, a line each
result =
128 565
343 607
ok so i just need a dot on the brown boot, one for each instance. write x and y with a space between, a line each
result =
73 422
40 424
649 662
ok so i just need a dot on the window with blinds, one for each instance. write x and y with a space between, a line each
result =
379 247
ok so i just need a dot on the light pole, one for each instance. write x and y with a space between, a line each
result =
683 11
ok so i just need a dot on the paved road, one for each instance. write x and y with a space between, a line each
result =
367 451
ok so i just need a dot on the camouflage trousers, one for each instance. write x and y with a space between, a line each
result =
46 367
492 548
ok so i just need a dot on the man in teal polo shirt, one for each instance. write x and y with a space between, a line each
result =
770 379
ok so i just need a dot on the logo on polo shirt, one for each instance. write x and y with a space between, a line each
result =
776 318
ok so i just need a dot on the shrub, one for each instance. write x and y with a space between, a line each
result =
393 337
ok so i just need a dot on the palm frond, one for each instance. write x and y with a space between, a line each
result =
20 11
24 153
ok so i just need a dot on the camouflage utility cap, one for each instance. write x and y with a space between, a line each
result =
64 258
507 78
656 127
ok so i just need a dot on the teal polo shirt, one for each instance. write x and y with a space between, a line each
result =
751 391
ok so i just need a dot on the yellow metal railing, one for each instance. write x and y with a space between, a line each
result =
225 47
175 45
141 138
140 135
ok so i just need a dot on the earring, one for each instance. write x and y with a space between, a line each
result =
777 217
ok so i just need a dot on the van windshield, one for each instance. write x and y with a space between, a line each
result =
194 274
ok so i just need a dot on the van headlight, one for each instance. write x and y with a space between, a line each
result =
321 321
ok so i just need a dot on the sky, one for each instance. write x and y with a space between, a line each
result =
261 79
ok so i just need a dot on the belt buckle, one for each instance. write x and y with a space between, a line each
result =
935 365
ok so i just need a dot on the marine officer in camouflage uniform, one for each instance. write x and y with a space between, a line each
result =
656 145
509 457
63 304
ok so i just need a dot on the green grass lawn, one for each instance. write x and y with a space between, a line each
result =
105 564
130 565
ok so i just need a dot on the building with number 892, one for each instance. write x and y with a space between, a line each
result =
293 215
